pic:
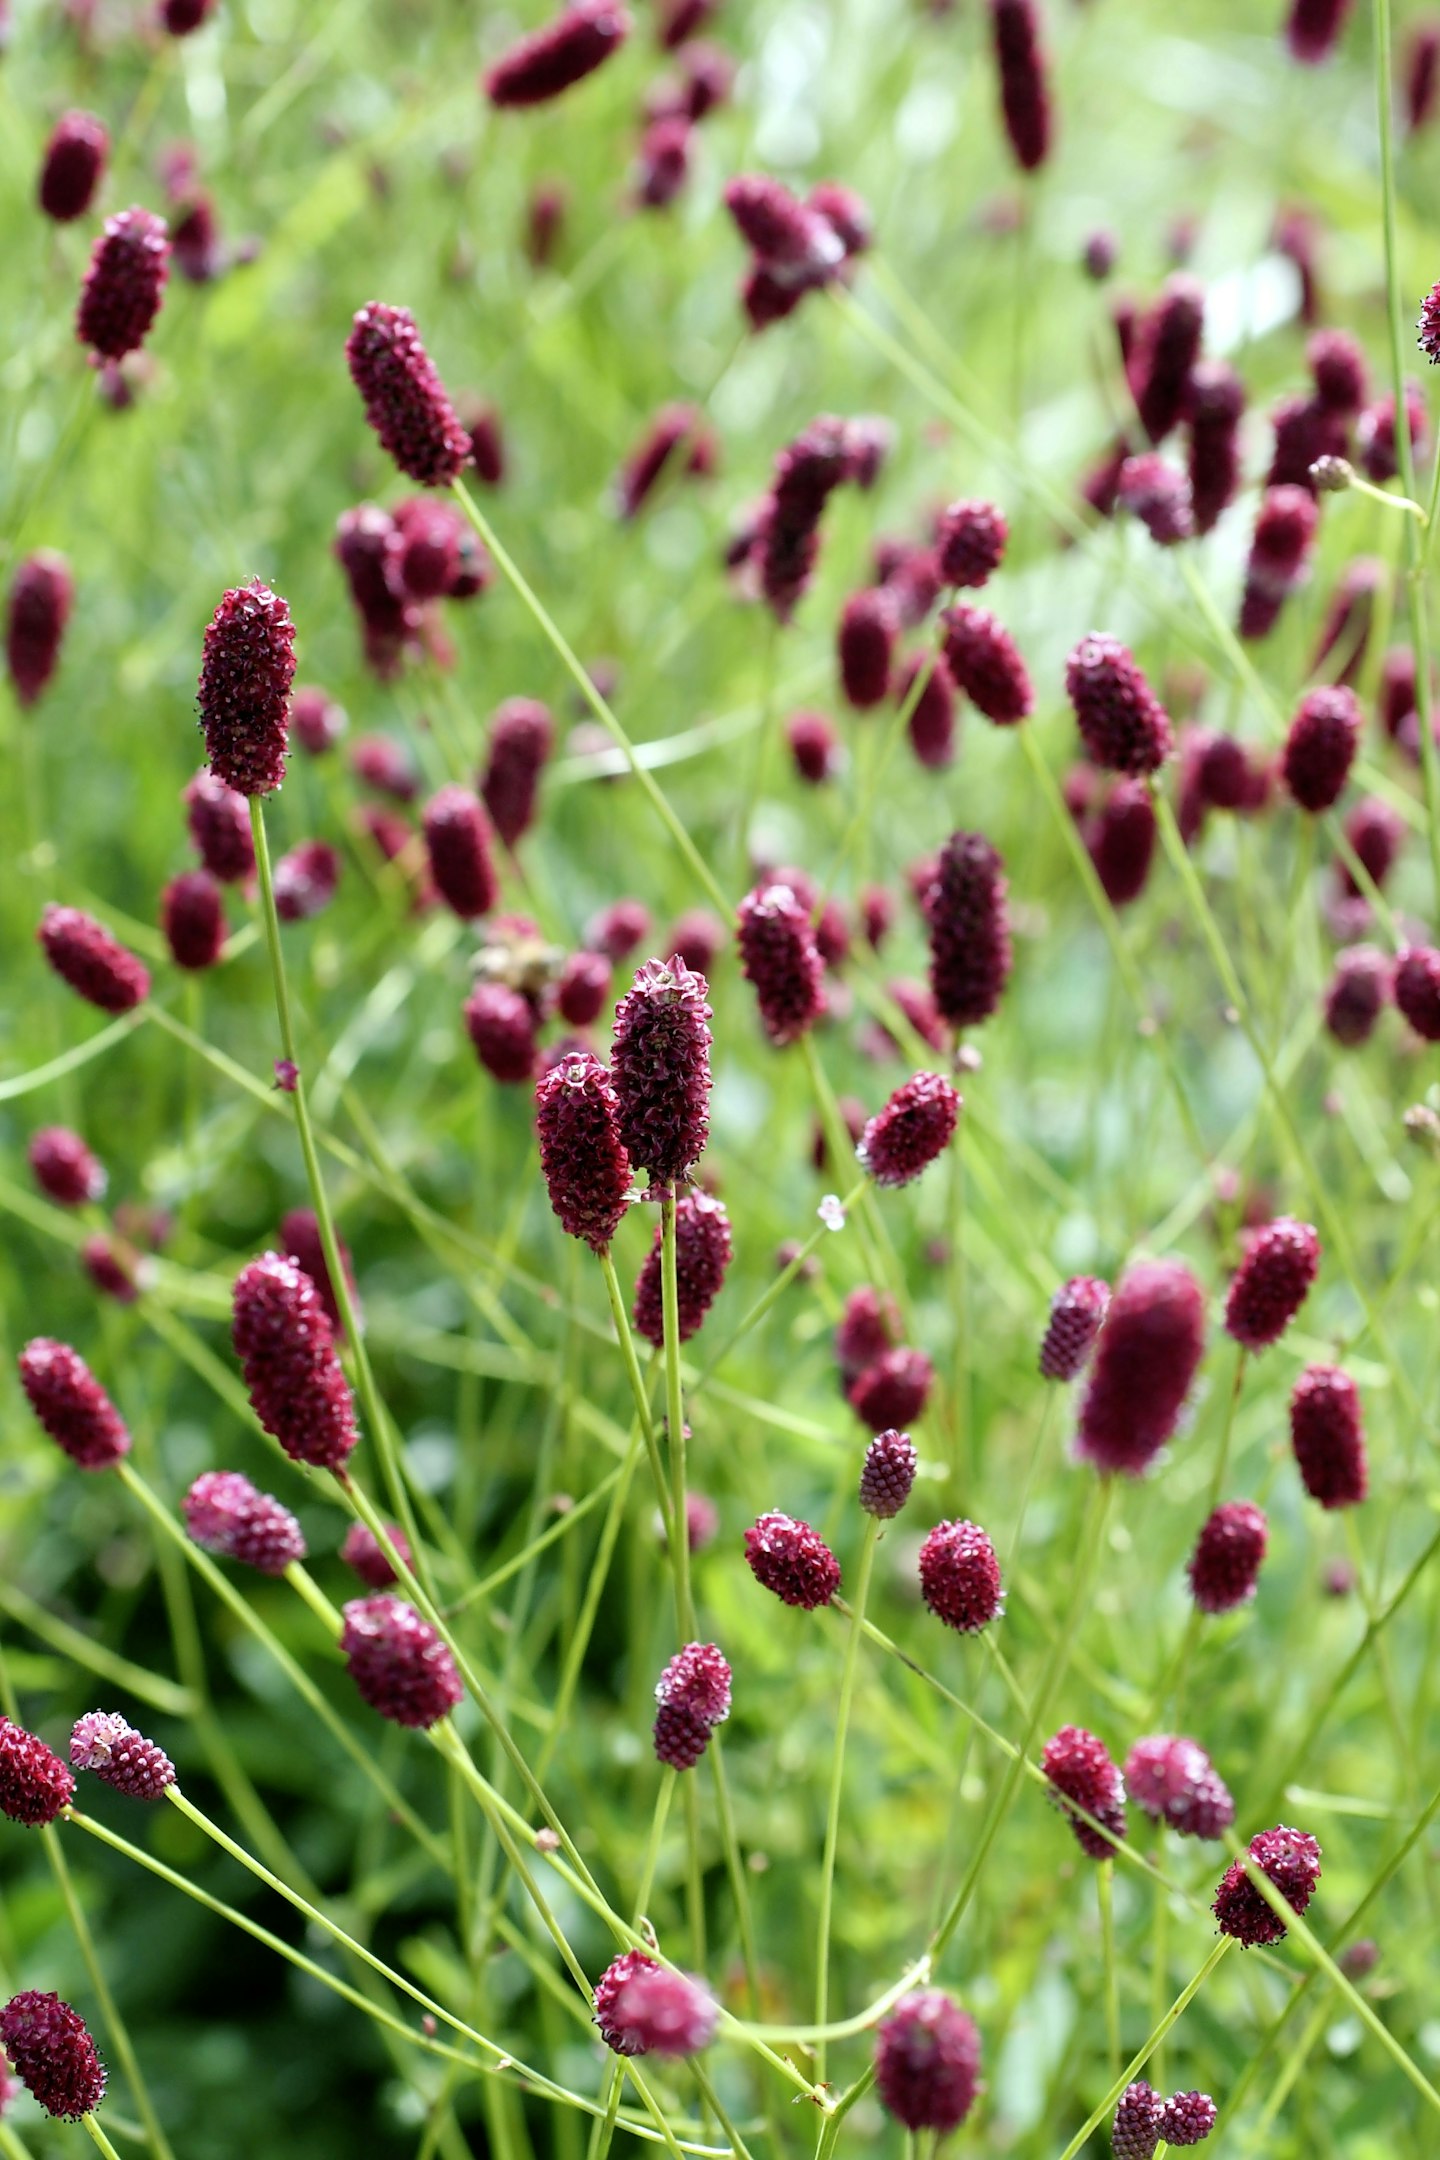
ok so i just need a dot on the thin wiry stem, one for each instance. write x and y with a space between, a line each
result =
837 1785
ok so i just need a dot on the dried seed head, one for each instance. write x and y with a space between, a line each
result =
1188 2119
1079 1768
660 1068
550 60
72 167
1357 994
71 1404
927 2062
1024 95
984 661
405 401
703 1250
1076 1312
1416 986
457 839
501 1024
888 1474
1272 1282
1320 747
642 2008
1174 1780
779 956
1224 1568
586 1169
1327 1433
522 736
1312 29
1217 401
1167 346
915 1126
1135 2131
51 2052
124 284
1291 1859
226 1514
814 747
306 880
41 594
970 541
286 1349
793 1560
1144 1364
893 1391
96 967
398 1662
960 1577
693 1697
964 907
35 1785
865 646
1122 723
246 672
64 1167
120 1756
192 916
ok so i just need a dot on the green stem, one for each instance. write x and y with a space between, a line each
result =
1105 1890
638 1389
1137 2063
100 2138
776 1289
679 1545
837 1785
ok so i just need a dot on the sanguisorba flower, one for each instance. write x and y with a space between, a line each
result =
960 1577
104 1743
247 669
970 539
1144 1364
192 916
779 957
41 595
1285 528
789 1558
1188 2118
964 908
35 1786
398 1662
64 1168
1167 346
893 1390
692 1697
1416 989
363 1552
405 401
1313 27
306 878
1077 1311
660 1069
48 2046
550 60
1122 723
1173 1779
1272 1282
1357 994
1291 1860
286 1347
984 661
124 284
915 1126
73 165
643 2008
95 965
522 735
219 820
1079 1769
586 1169
1224 1568
927 2062
1320 747
457 840
1135 2131
1327 1434
226 1514
703 1250
1216 403
888 1474
71 1404
1024 94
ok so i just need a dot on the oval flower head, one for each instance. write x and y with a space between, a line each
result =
643 2008
49 2047
927 2062
246 673
914 1127
405 401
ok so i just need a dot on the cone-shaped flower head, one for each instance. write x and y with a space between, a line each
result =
1188 2119
960 1577
1320 747
888 1474
793 1560
1272 1282
246 671
192 916
1076 1312
1291 1860
120 1756
869 1326
71 1404
964 907
51 2052
692 1697
64 1167
642 2008
1079 1768
893 1391
1357 994
1224 1568
522 735
95 965
405 401
1135 2131
363 1552
970 541
586 1168
915 1126
41 594
567 49
110 1267
1024 96
779 956
34 1784
457 839
1327 1433
1174 1780
984 661
226 1514
703 1250
72 166
927 2062
124 284
1417 989
583 987
1285 527
286 1349
1122 723
1144 1364
660 1069
398 1662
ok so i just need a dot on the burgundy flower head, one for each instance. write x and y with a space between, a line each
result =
984 661
814 747
1422 73
1076 1312
180 17
869 1326
927 686
1375 433
793 1560
642 2008
50 2050
1188 2119
1357 994
246 672
1306 431
888 1474
1224 1568
286 1349
586 1168
64 1168
96 967
1416 987
1174 1780
970 541
779 956
702 1253
316 720
693 1697
674 428
662 167
1327 1433
110 1266
1146 1358
73 164
660 1069
35 1785
787 543
226 1514
1338 370
1120 841
1135 2131
1079 1768
1217 401
219 821
305 881
865 646
1376 834
793 241
120 1756
1285 528
501 1024
1158 494
522 735
583 988
1272 1282
398 1662
914 1127
124 284
363 1552
618 929
71 1404
41 594
1320 747
192 916
1167 347
893 1391
405 401
1122 723
550 60
964 907
1313 27
457 839
927 2062
960 1577
1291 1859
1024 95
301 1240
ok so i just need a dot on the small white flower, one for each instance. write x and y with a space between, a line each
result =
831 1213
